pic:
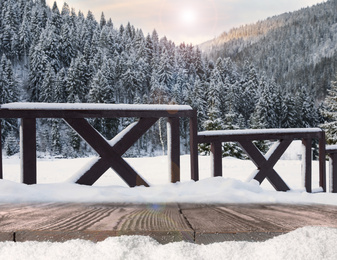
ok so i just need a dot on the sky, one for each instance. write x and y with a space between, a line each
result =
189 21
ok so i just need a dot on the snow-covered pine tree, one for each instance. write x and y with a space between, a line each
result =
67 46
8 93
47 93
329 112
307 113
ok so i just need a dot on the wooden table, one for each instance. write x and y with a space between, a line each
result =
110 152
265 163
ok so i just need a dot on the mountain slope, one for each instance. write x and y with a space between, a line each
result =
296 49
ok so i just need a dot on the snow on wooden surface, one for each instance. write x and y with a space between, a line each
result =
91 106
331 147
260 131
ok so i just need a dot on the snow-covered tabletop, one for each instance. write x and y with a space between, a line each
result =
91 106
260 131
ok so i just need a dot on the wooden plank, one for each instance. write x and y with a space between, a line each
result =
258 134
216 159
6 236
197 223
331 150
64 221
254 222
1 167
333 172
121 145
28 150
5 113
272 157
173 147
102 147
306 164
194 146
94 172
38 106
322 158
265 167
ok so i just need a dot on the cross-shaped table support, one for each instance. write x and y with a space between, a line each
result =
110 152
265 163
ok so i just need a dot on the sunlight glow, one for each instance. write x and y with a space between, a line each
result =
188 16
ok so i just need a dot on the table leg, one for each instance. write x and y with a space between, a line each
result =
306 163
173 147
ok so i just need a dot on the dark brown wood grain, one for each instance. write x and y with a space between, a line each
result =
332 153
110 155
194 146
265 163
28 150
196 223
120 146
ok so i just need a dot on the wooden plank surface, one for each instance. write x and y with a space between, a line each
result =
59 222
254 222
195 223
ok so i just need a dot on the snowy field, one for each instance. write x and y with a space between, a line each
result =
54 177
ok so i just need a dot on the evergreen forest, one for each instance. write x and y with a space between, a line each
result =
296 49
55 54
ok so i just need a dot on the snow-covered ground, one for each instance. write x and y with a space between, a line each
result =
310 243
54 185
55 175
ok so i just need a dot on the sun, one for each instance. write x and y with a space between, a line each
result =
188 16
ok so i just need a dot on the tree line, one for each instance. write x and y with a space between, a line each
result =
58 55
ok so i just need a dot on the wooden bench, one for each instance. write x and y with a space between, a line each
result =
110 152
331 151
265 163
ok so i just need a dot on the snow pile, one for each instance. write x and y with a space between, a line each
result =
54 184
305 243
211 190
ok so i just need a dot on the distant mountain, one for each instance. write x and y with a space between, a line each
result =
295 49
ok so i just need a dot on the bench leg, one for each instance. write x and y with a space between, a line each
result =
322 170
216 159
333 172
173 146
28 150
194 147
1 175
306 164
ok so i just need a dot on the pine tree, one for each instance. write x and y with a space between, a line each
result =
56 19
24 39
47 93
65 10
159 92
102 22
11 144
8 94
165 69
67 46
289 113
307 114
77 80
329 113
60 93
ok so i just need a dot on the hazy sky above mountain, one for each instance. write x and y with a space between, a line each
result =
191 21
